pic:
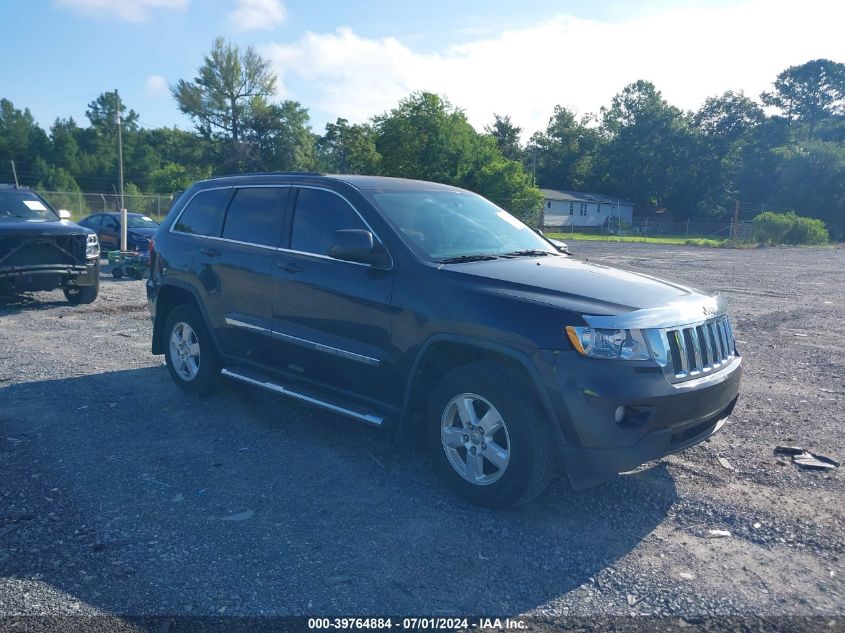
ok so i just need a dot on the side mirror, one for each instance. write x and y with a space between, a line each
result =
358 245
540 232
561 246
64 214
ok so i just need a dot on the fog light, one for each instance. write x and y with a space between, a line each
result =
619 414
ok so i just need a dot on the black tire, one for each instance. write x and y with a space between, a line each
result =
207 377
117 272
532 461
82 294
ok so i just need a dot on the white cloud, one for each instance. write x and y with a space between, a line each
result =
250 15
689 53
156 86
128 10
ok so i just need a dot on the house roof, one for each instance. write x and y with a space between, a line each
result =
582 196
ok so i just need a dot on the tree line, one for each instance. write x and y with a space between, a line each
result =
786 151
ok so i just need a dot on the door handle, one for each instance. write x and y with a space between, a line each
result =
209 252
290 267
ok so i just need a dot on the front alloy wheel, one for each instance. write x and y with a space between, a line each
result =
489 438
475 439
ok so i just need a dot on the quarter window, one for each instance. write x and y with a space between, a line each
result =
204 213
253 215
318 215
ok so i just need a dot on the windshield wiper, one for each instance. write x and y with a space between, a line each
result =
527 252
460 259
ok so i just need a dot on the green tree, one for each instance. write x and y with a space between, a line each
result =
278 137
22 141
348 149
102 112
64 149
170 177
651 151
725 125
726 119
567 152
810 178
427 138
506 135
809 93
229 86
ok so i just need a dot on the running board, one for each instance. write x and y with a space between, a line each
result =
271 386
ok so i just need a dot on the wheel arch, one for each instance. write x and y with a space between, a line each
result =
169 296
441 353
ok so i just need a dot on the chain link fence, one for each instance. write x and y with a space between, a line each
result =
82 204
685 229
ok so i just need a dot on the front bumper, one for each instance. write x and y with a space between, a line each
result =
39 276
662 417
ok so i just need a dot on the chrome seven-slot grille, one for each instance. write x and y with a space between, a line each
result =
699 348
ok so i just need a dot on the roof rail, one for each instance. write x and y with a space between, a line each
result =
270 173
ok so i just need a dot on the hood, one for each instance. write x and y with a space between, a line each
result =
583 287
12 227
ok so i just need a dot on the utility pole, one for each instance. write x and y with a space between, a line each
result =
619 218
15 172
123 238
735 224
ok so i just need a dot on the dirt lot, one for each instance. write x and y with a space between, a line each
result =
118 494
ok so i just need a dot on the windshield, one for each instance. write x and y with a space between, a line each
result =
140 222
24 204
454 224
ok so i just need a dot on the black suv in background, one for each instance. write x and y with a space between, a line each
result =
428 309
41 250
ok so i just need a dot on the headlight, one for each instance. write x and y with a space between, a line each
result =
606 343
92 246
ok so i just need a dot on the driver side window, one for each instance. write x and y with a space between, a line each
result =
317 216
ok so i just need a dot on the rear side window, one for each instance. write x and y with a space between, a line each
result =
204 213
254 215
317 216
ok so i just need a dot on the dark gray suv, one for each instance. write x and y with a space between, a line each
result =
426 309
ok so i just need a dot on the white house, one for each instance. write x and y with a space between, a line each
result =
577 208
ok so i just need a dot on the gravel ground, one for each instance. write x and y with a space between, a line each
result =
120 495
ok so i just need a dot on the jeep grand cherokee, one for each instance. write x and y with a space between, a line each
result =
425 308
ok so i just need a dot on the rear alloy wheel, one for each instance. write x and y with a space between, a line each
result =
190 355
488 437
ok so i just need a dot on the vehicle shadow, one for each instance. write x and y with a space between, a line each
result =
122 493
12 302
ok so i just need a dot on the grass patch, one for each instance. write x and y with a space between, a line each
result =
681 241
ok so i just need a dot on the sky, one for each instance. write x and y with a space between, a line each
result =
356 59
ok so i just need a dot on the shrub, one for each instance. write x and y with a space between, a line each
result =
806 231
788 228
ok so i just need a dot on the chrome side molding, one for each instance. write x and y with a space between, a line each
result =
271 386
319 347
